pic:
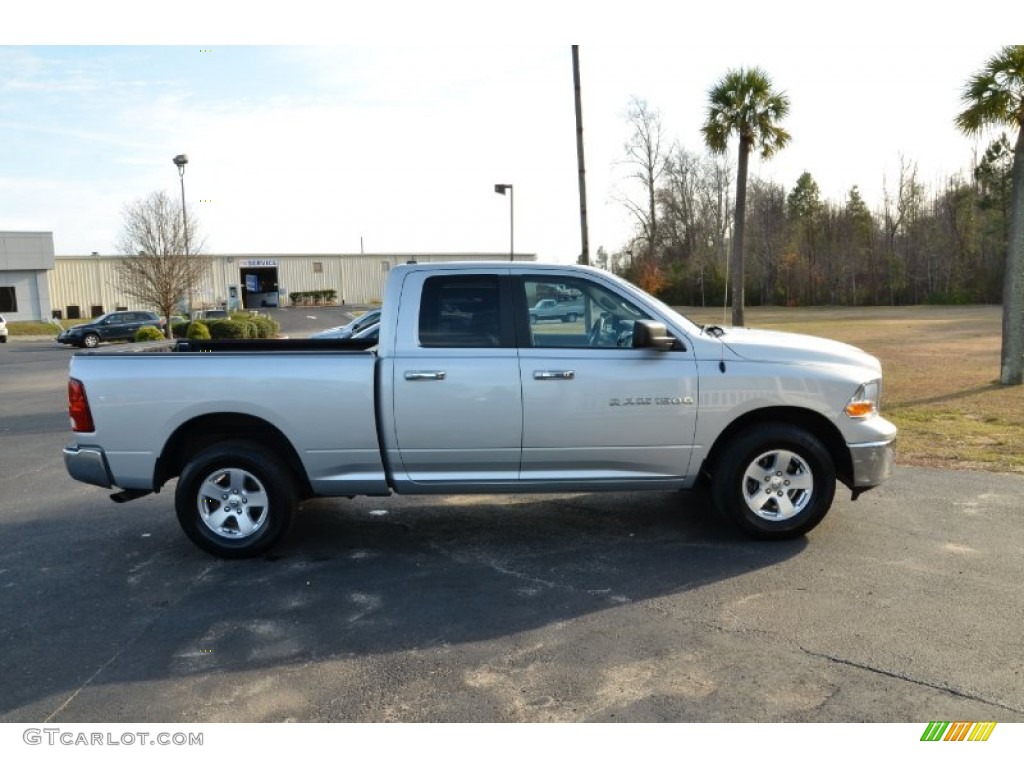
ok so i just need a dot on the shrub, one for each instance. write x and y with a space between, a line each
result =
149 333
227 329
267 327
197 330
180 330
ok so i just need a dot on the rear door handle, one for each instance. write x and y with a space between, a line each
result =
554 375
425 375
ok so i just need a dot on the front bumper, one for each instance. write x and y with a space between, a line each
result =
872 463
88 464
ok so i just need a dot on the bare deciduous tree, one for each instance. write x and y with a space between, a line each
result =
155 270
646 158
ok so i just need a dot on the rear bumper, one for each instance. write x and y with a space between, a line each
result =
88 464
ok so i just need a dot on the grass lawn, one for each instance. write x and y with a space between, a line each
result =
32 328
941 377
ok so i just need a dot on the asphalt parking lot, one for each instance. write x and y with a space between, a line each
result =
903 606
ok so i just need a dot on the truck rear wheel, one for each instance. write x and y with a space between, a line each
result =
774 481
235 500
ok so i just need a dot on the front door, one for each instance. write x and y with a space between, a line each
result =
596 410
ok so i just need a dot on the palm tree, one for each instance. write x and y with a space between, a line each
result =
995 97
743 103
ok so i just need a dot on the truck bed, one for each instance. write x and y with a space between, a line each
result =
273 345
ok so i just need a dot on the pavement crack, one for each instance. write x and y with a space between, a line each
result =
908 679
504 570
129 644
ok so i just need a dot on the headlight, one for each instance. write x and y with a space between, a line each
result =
865 400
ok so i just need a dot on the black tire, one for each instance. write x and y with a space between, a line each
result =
533 319
235 499
570 318
795 491
90 340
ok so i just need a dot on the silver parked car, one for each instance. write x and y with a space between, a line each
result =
552 309
371 332
361 323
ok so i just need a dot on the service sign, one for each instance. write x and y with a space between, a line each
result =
257 263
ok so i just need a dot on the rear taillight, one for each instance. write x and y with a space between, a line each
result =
78 407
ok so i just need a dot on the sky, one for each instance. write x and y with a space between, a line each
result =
334 131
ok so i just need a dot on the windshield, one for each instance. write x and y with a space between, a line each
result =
365 321
663 308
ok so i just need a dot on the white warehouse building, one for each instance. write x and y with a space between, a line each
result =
26 261
35 284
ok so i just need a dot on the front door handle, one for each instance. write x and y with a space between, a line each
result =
425 375
554 375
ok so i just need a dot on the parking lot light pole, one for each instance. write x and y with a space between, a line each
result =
181 161
500 189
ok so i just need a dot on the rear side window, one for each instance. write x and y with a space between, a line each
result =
461 311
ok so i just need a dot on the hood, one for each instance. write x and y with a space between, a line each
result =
781 347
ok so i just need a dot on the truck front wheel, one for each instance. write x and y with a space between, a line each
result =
774 481
235 500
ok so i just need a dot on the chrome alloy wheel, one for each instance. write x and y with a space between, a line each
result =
778 485
233 503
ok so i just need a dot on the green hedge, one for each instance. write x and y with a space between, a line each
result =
239 326
329 296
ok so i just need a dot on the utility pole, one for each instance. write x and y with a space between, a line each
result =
584 237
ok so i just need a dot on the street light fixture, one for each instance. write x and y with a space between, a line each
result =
500 189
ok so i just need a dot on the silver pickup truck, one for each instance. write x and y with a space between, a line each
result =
463 394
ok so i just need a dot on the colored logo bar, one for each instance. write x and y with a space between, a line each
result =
957 731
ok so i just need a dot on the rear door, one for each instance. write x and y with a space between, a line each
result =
132 322
457 404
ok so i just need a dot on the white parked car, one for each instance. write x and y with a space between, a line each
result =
3 330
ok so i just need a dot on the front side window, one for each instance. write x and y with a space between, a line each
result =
461 311
577 313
